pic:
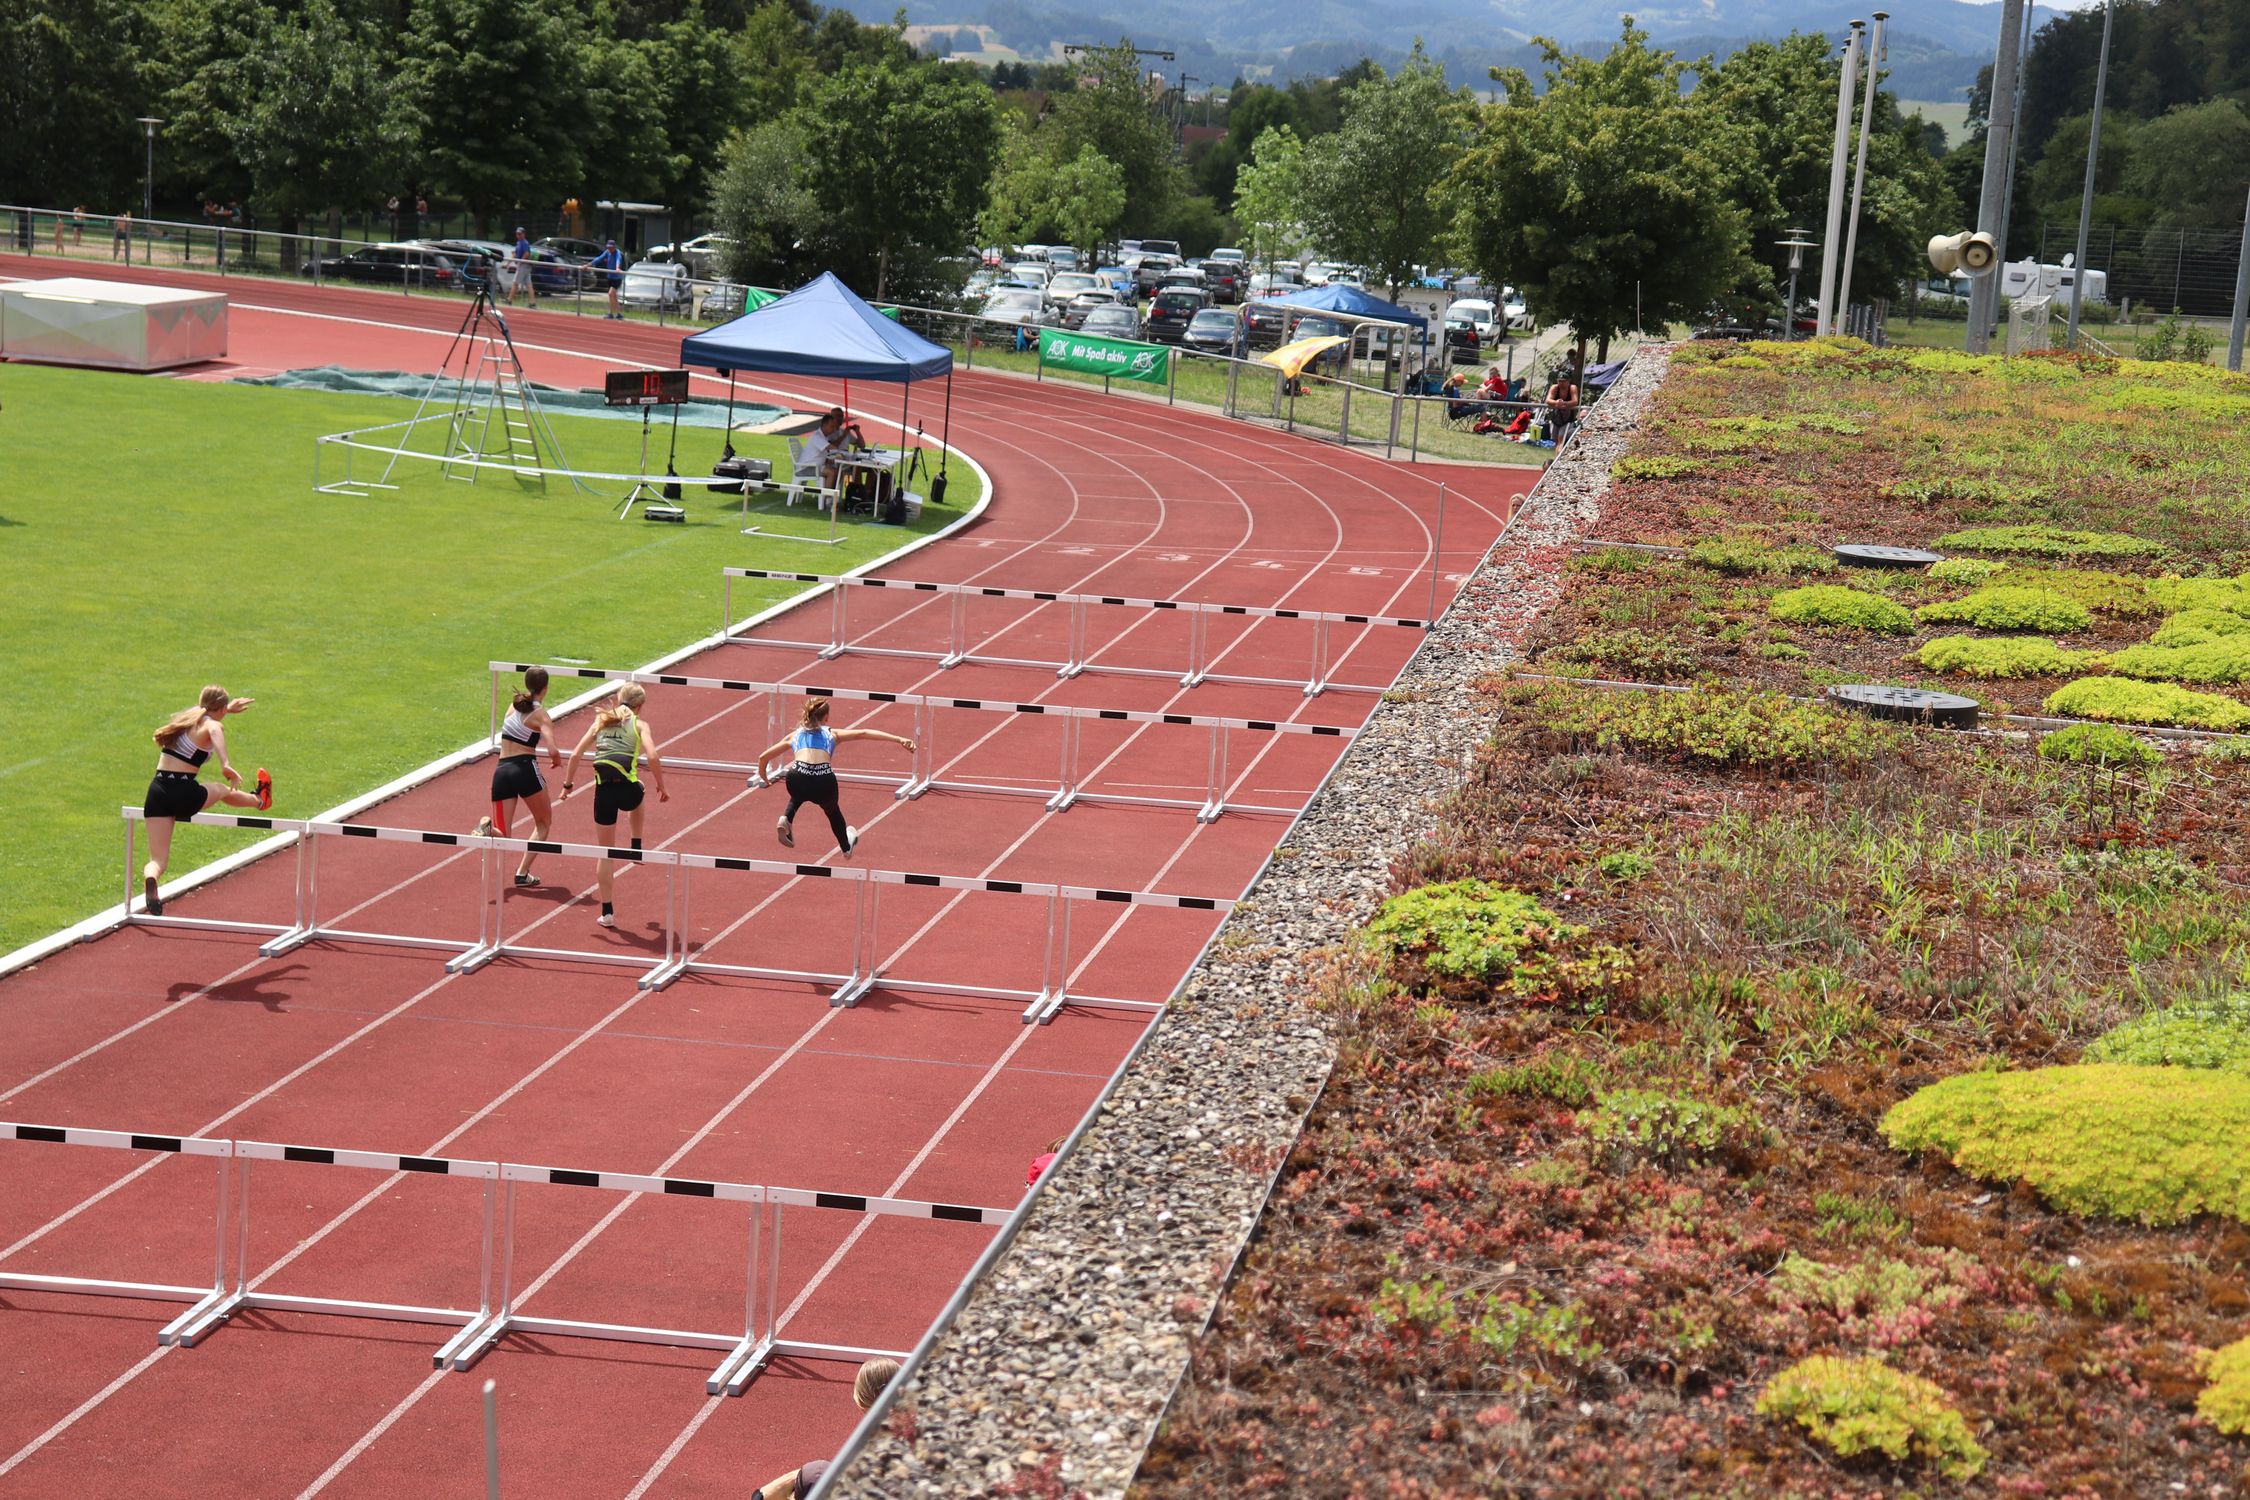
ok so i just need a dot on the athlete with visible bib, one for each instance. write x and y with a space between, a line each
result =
183 743
618 738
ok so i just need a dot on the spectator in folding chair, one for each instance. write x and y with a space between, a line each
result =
515 776
619 739
812 772
183 743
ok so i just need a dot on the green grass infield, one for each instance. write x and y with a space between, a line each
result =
159 534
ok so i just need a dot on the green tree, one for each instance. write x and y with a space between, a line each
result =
2191 164
1112 113
1034 198
299 101
68 95
900 157
1266 191
2059 179
703 96
1774 103
1371 192
772 61
763 202
501 88
1601 196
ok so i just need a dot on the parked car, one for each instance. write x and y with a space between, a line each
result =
1078 308
1032 273
1264 324
1230 254
722 301
1466 342
1150 269
1273 284
1118 277
1062 257
1330 360
1169 248
1171 310
1065 285
700 255
654 283
1116 321
1215 330
575 251
1482 316
1186 276
389 265
551 276
1017 305
1513 312
1225 279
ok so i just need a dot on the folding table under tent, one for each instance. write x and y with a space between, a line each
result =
824 329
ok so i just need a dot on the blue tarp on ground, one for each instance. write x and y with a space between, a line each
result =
822 328
1350 301
1600 377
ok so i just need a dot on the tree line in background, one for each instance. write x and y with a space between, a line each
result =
1623 190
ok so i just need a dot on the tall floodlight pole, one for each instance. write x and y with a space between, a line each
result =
1827 303
2241 293
1999 150
2015 135
148 123
2093 150
1859 170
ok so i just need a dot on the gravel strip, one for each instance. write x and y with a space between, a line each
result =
1066 1354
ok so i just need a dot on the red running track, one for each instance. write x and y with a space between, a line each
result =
909 1093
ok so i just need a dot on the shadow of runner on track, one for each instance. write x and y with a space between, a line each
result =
249 989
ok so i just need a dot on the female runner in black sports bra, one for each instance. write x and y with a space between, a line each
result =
183 743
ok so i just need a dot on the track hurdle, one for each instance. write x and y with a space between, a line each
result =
1068 789
201 1297
492 940
677 956
496 1314
1079 656
759 1342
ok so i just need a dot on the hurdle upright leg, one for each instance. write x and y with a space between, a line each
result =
469 1345
957 633
308 848
130 883
1215 787
836 622
1067 792
443 1356
190 1327
1054 977
867 961
1198 644
218 1294
1319 679
1074 648
492 896
746 1359
924 768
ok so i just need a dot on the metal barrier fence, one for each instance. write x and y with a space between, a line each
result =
679 955
495 1315
1079 657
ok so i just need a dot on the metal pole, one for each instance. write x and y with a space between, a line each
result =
1849 77
1437 553
491 1441
2241 293
2015 133
1859 169
1999 151
2086 198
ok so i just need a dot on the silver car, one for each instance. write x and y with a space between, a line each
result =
1115 321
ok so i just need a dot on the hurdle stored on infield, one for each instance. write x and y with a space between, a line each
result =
926 707
495 1315
1080 658
678 955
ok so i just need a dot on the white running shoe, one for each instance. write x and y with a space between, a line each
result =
852 834
781 832
605 920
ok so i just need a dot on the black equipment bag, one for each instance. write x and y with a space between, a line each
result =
740 470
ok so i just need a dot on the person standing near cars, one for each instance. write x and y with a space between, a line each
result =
522 267
611 267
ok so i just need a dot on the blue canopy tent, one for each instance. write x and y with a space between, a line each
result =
824 329
1349 304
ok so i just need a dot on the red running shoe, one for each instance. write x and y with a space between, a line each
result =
265 789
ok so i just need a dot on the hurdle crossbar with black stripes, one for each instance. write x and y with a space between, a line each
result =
496 1314
926 708
1079 655
678 954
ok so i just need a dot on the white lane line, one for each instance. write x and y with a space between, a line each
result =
81 1409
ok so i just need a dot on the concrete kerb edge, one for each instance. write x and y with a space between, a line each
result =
109 919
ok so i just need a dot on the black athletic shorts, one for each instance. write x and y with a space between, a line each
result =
614 797
173 794
517 776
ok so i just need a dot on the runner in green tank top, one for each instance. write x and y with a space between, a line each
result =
619 737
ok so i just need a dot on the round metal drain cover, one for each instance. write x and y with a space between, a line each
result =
1915 705
1864 555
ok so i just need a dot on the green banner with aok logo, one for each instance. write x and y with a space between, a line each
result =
1120 359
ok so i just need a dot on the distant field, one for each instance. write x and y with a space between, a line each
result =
161 534
1953 115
